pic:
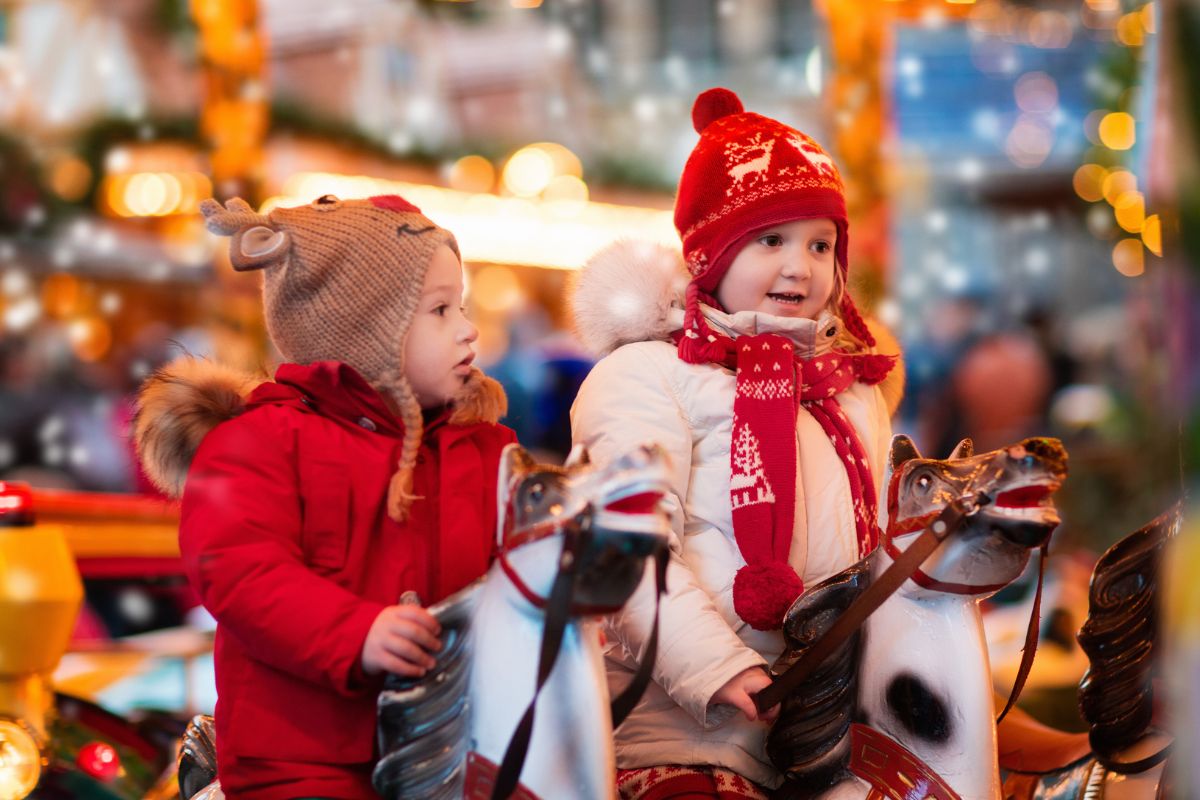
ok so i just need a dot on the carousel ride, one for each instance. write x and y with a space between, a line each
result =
885 686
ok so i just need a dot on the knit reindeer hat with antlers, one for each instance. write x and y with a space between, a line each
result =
341 282
749 172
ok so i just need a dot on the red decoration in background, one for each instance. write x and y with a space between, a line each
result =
100 760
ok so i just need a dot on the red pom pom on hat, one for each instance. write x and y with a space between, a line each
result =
762 594
713 104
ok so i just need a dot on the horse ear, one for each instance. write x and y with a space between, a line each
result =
578 457
964 449
515 460
903 449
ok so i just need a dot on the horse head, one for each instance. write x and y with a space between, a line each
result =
601 522
1011 509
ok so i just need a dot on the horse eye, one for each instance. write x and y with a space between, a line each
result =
537 492
924 482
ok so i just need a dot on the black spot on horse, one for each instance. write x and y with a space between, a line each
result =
408 230
918 709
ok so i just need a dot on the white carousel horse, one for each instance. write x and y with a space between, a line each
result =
518 645
919 674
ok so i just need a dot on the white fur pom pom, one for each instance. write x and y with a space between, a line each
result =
624 294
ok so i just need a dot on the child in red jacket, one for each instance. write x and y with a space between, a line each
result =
311 503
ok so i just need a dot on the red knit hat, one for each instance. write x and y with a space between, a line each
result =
749 172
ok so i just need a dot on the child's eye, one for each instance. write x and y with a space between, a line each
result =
440 309
771 240
821 246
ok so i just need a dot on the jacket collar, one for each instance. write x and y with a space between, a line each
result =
809 337
333 389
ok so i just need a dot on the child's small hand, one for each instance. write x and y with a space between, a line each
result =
400 641
739 692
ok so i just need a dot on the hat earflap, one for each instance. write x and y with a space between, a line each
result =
698 344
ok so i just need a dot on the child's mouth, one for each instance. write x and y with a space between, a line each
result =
464 367
787 298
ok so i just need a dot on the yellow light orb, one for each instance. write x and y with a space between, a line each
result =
70 177
528 172
565 162
472 174
172 194
111 196
62 295
1128 259
1130 31
1117 183
1089 182
90 338
1147 14
1118 130
1130 211
146 193
566 187
20 760
1152 234
496 289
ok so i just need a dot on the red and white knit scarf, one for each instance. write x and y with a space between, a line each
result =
772 383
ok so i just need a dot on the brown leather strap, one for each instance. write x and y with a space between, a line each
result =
946 523
1031 640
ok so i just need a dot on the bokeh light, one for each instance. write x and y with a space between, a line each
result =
1118 130
1089 182
472 174
1152 234
1128 258
528 172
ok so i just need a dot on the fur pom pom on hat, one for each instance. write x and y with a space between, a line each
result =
341 282
625 293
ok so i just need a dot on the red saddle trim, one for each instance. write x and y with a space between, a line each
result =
481 777
891 769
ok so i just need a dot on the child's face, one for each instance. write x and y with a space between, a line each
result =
786 270
438 353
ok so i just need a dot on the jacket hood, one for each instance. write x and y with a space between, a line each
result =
181 402
633 291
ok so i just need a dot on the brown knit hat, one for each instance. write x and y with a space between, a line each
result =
341 282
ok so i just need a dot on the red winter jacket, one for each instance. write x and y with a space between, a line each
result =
285 535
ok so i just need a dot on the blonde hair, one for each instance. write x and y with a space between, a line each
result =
846 341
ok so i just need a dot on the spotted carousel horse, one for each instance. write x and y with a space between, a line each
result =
915 678
904 708
572 544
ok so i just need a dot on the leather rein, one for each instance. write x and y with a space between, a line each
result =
907 563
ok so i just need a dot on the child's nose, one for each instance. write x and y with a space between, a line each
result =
469 332
796 266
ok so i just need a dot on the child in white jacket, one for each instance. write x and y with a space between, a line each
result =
767 389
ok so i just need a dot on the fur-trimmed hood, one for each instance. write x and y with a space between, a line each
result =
633 291
184 400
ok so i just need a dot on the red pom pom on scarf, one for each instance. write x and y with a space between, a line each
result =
762 594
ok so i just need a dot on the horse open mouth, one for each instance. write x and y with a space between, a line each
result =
1033 496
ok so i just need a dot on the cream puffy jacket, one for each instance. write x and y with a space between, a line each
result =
643 392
